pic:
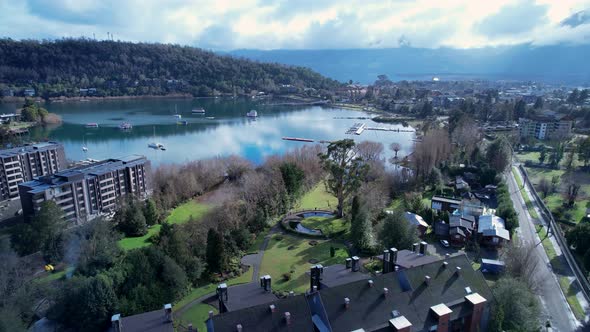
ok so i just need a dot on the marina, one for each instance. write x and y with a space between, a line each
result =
359 128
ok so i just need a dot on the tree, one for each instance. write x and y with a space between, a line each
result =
496 319
545 187
395 147
86 303
556 156
569 160
130 219
542 155
151 213
369 151
578 238
397 232
498 154
361 229
346 171
215 251
519 109
522 262
571 192
44 231
293 177
519 305
99 248
538 103
587 260
584 151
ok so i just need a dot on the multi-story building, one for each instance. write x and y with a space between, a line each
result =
27 162
90 190
547 126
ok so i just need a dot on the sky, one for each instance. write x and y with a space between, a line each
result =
303 24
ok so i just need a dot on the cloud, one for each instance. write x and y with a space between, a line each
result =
513 19
273 24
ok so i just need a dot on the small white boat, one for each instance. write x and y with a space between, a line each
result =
125 126
156 146
210 117
178 116
85 149
199 110
252 114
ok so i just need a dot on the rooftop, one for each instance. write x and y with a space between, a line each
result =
408 259
491 225
338 274
247 295
153 321
415 219
28 149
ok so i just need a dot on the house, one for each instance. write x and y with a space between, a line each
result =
444 295
492 231
406 259
448 204
416 221
461 184
153 321
461 229
29 92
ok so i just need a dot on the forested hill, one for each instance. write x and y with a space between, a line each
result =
63 67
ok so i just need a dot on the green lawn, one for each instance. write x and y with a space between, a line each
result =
328 225
210 288
255 246
319 198
570 295
530 156
178 215
197 315
292 253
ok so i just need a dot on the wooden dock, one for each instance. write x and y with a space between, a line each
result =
356 129
397 130
298 139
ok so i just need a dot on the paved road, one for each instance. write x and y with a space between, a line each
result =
556 308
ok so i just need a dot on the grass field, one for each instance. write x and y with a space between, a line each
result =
197 315
287 253
329 225
319 198
179 215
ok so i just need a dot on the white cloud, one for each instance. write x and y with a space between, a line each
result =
270 24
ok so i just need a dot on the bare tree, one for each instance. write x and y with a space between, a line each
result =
369 151
434 149
544 186
571 192
395 147
236 166
467 136
522 262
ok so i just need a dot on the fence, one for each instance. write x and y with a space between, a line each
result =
565 249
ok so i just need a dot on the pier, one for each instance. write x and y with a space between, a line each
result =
298 139
358 129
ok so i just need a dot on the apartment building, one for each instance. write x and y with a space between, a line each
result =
549 125
88 191
24 163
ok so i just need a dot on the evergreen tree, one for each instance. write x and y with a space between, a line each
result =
130 220
215 251
151 213
397 232
293 177
361 229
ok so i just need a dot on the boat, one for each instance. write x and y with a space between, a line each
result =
156 145
92 125
178 116
182 123
125 126
199 110
210 117
252 114
85 149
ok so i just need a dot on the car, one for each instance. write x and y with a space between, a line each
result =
445 243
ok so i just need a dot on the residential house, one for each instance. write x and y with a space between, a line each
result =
461 229
29 92
153 321
416 221
447 204
444 295
492 231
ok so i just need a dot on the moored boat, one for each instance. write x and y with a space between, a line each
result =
199 110
92 125
252 114
125 126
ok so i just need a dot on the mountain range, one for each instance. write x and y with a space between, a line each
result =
557 64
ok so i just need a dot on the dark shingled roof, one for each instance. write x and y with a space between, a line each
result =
260 317
247 295
152 321
338 274
407 259
408 294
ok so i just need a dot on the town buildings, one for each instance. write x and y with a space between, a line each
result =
90 190
549 125
24 163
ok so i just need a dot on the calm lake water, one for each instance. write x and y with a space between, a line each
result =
230 132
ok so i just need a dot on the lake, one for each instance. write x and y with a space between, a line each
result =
230 132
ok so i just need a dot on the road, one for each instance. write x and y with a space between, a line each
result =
555 307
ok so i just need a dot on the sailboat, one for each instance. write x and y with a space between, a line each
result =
84 148
176 115
155 145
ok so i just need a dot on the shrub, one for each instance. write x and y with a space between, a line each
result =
287 276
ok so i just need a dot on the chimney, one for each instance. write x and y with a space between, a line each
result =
116 323
355 264
315 289
211 313
385 261
168 313
267 283
400 324
443 313
272 308
445 265
189 328
396 268
427 280
370 283
348 263
315 276
415 247
392 258
473 321
222 297
423 247
385 291
458 270
239 327
346 302
447 256
288 318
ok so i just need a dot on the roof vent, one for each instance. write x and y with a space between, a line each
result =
458 269
385 291
189 327
239 327
445 265
370 283
394 313
272 308
468 290
315 288
447 256
346 302
288 318
427 280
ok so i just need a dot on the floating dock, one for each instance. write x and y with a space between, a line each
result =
356 129
390 129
